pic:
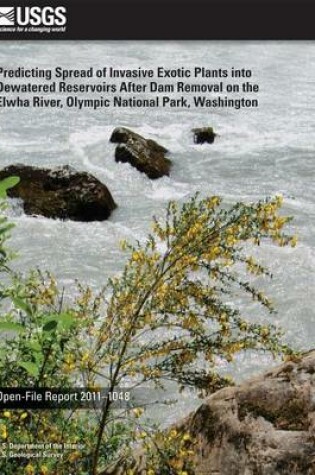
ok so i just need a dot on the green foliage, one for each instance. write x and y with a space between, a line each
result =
6 184
167 311
5 227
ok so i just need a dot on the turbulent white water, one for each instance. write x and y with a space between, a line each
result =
258 153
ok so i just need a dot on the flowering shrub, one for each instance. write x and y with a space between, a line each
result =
168 310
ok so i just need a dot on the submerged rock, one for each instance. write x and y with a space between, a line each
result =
145 155
62 193
204 134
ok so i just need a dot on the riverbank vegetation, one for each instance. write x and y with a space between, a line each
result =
167 317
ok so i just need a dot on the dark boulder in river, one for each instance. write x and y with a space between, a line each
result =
204 135
60 193
145 155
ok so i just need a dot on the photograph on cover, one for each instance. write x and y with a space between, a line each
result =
157 254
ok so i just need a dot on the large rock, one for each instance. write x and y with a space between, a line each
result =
60 193
145 155
204 135
265 426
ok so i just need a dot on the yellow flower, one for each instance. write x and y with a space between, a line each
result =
177 464
43 470
137 256
69 359
74 456
23 416
29 469
138 411
279 200
231 240
7 414
173 433
265 331
85 357
212 202
243 326
123 245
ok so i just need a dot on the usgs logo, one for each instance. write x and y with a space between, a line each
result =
36 16
33 16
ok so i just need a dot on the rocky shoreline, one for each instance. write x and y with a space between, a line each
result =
264 426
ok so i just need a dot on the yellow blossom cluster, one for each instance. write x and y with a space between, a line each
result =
177 449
